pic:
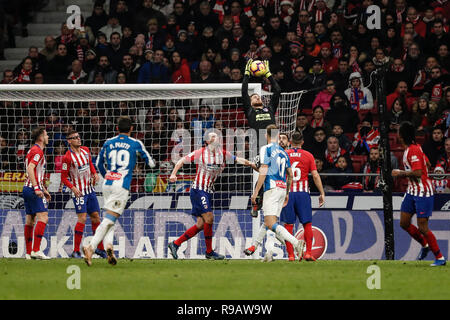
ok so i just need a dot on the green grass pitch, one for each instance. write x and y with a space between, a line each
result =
222 280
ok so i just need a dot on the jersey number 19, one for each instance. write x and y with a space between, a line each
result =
119 159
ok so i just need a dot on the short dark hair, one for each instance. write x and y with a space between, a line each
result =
36 133
297 137
407 132
71 132
124 124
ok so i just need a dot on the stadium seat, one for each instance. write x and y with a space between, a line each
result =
358 162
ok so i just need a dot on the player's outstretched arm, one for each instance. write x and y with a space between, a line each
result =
415 174
276 89
318 183
245 80
246 163
173 175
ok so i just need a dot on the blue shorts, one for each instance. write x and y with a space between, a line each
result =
86 204
201 202
33 204
422 206
299 205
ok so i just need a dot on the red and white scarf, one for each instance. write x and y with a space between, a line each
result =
24 76
317 123
219 9
332 160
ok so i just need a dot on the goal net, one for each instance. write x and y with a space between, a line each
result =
171 121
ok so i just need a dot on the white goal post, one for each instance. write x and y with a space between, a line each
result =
171 120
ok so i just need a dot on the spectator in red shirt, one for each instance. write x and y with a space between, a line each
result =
401 92
181 72
329 62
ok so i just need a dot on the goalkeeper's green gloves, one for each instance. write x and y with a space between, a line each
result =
268 73
247 67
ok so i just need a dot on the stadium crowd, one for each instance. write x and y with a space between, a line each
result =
321 46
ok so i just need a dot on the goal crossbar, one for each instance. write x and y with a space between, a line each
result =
120 92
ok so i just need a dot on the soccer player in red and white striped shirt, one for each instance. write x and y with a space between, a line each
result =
419 198
79 175
299 205
210 161
36 196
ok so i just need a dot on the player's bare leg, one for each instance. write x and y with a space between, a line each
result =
413 231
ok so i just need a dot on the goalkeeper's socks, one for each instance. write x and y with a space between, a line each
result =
79 229
94 228
284 234
38 234
289 247
433 244
415 233
208 231
28 233
308 235
189 233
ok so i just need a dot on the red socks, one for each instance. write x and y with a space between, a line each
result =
94 227
289 246
432 243
28 233
192 231
79 228
308 235
38 234
415 233
208 231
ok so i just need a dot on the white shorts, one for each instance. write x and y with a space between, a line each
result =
115 198
273 201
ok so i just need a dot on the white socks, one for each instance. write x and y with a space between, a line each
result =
282 233
101 232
